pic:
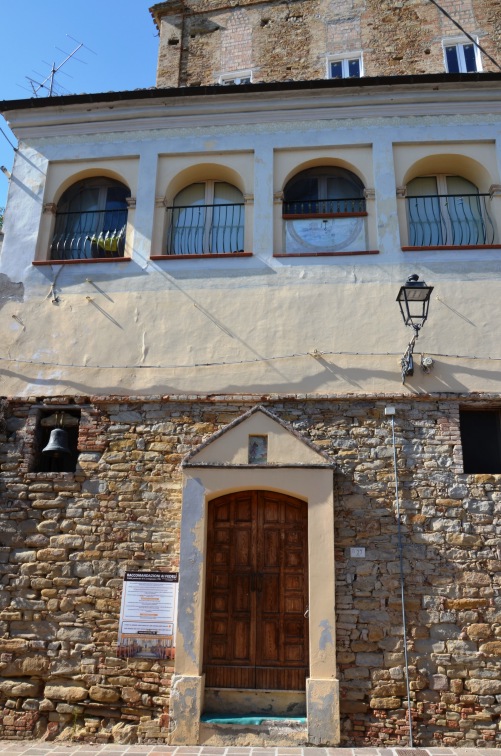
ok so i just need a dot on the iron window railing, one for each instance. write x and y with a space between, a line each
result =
449 220
88 234
325 207
205 229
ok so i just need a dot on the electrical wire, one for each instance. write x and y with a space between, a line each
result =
7 138
461 28
402 582
318 355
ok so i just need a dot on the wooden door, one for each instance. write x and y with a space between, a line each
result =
256 634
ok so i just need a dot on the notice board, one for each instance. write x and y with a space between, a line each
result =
147 626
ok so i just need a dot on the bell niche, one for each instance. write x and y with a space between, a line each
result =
57 441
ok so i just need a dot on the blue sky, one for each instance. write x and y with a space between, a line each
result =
121 33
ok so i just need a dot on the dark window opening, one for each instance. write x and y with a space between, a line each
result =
324 191
345 69
91 220
481 441
469 58
461 58
452 58
48 421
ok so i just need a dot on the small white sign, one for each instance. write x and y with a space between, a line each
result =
357 552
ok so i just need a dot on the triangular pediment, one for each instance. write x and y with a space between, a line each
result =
257 438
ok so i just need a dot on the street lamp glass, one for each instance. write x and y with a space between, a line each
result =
414 301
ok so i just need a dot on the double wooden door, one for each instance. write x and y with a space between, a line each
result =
256 626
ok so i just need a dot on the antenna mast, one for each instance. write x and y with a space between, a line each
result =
48 83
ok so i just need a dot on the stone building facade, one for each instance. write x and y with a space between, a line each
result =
202 41
198 284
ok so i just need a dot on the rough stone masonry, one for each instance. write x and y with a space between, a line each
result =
67 538
289 41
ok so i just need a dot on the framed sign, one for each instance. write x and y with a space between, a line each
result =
148 615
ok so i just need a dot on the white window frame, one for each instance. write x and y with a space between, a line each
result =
345 59
235 77
459 43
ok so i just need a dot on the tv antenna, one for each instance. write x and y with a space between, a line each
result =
48 83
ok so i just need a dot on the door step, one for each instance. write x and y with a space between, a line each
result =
270 704
248 730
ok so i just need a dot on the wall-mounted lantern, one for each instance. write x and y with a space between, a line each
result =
414 301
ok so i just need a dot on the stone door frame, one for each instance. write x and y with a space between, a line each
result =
312 483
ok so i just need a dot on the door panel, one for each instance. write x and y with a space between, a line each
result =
241 640
269 593
256 635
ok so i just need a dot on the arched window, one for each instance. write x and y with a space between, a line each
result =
91 220
447 211
324 191
206 218
324 212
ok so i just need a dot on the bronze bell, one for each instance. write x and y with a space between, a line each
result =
58 443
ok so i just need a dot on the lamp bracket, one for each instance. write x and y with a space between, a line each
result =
407 361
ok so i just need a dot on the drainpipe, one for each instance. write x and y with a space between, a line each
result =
390 411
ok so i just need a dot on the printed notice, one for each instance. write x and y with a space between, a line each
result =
148 615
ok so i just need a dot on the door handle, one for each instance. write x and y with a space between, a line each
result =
307 612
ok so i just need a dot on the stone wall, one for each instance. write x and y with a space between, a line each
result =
66 540
452 568
290 41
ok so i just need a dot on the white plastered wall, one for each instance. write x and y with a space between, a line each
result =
255 325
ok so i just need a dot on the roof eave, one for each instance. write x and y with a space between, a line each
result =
153 93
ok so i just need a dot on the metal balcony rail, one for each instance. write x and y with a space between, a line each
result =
460 220
325 207
205 229
88 234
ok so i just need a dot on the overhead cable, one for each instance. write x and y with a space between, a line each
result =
316 354
461 28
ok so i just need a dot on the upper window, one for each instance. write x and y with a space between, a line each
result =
462 57
206 218
91 220
447 211
481 441
345 68
241 77
324 211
